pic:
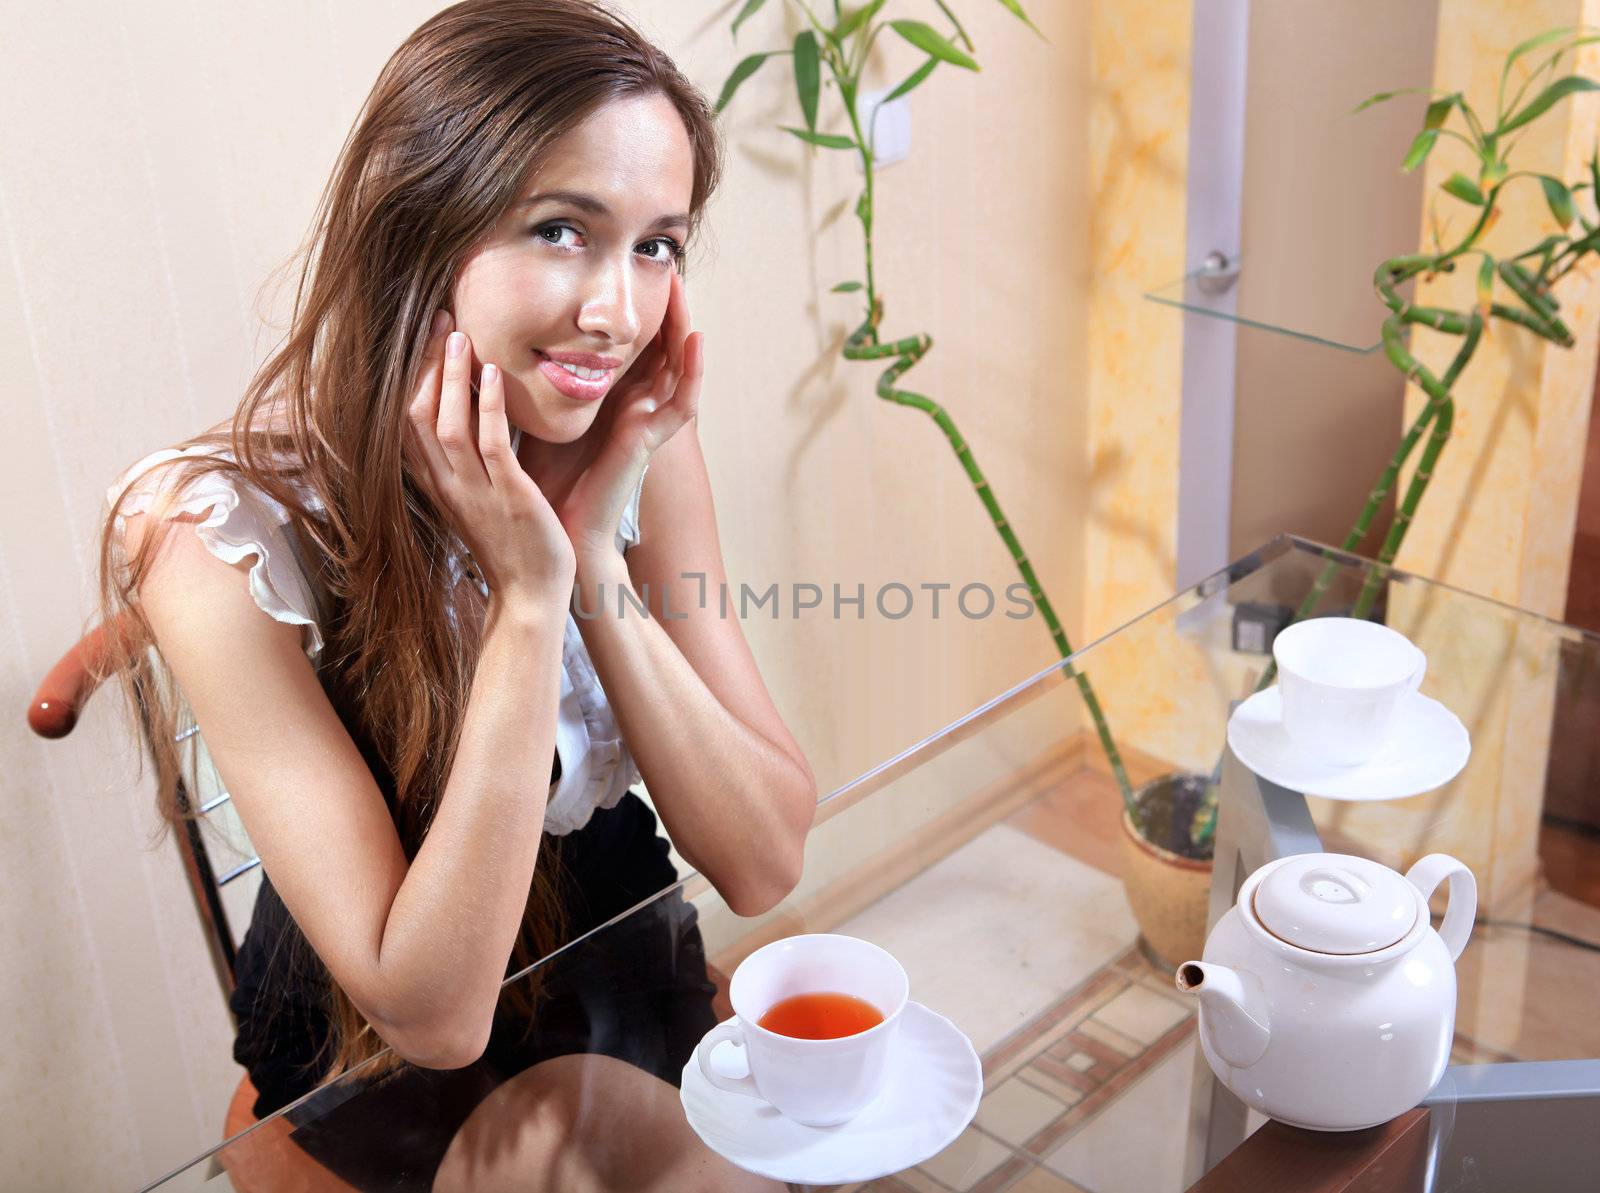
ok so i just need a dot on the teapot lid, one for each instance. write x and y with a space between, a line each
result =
1336 903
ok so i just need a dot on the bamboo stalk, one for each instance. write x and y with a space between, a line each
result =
863 344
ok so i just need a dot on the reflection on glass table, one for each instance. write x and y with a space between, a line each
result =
989 859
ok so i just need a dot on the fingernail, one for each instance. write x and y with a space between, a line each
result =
441 320
490 372
454 345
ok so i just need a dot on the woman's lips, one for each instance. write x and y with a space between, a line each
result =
572 385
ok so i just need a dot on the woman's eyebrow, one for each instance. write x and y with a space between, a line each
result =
587 202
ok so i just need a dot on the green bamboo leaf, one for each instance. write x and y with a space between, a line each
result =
743 71
861 207
1463 188
1533 43
1547 99
1486 283
1560 199
1439 111
1420 148
924 38
826 140
1474 125
1544 246
751 7
1016 10
1580 41
1385 96
807 75
1381 97
960 33
856 19
912 80
1492 174
846 287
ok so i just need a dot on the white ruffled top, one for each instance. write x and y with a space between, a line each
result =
241 521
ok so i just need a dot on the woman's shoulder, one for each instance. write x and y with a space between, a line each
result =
236 520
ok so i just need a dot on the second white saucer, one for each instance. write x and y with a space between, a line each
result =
1427 746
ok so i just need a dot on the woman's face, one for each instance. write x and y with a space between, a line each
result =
581 265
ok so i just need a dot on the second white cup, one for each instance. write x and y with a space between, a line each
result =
815 1082
1341 680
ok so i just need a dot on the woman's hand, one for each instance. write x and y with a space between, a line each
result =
657 396
511 530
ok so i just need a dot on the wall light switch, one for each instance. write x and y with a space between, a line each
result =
886 125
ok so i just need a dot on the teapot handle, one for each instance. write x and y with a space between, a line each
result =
1462 908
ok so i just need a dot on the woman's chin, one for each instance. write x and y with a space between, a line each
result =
556 426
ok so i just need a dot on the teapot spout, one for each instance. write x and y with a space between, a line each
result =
1235 1023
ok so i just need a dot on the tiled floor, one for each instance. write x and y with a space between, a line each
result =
1086 1091
980 907
1050 1081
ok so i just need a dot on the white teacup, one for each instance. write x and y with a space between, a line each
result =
815 1082
1341 679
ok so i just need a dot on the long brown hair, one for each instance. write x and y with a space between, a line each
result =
463 110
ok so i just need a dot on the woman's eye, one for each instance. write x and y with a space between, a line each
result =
544 233
667 249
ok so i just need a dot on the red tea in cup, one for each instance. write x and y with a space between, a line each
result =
820 1016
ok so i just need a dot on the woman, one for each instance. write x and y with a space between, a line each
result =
490 347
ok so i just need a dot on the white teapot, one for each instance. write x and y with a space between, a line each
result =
1327 1000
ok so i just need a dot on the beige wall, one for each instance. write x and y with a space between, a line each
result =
1137 170
167 160
1324 203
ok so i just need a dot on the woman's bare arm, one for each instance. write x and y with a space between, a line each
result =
420 950
732 787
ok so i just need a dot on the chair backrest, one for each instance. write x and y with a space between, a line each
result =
54 712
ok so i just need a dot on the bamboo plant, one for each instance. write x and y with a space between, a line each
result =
842 45
1515 288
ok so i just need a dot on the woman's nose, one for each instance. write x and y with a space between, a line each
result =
608 307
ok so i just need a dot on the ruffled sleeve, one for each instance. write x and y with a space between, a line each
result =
628 527
596 767
239 522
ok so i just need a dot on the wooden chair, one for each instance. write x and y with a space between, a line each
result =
268 1161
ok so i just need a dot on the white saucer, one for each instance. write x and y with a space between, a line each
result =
932 1092
1427 747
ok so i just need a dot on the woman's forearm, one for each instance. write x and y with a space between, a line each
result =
736 806
456 916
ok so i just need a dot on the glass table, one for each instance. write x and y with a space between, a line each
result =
990 858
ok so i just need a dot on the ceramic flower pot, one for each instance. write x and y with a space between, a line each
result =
1168 892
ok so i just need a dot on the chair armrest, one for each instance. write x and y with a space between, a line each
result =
66 689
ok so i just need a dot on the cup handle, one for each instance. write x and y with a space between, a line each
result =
1415 681
732 1031
1462 908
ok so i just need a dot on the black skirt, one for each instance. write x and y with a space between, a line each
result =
636 990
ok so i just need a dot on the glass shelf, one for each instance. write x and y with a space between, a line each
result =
1338 313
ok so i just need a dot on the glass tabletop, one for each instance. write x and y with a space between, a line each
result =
993 862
